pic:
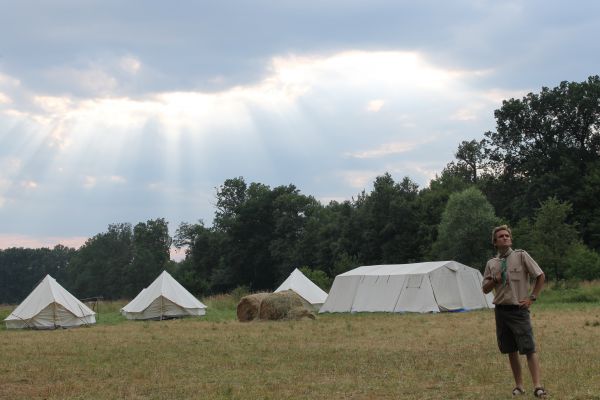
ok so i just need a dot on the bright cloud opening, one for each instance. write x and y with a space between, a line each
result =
375 105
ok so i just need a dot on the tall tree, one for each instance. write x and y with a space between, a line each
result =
464 232
389 222
21 269
151 253
99 267
471 158
553 237
261 228
547 144
203 247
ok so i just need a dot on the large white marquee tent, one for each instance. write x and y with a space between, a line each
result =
50 306
164 298
305 288
421 287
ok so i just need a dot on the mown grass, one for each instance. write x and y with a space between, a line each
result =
340 356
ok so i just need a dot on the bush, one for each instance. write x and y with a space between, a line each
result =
319 277
582 298
565 284
572 291
240 292
582 263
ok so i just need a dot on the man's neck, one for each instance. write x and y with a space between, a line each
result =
504 251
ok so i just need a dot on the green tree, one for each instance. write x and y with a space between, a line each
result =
151 247
318 277
203 247
553 236
21 269
261 229
431 203
471 159
464 231
388 221
582 263
99 266
547 144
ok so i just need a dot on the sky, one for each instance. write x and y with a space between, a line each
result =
126 111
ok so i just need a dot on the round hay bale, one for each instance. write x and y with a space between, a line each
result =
249 306
278 306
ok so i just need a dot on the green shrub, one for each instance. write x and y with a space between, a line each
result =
565 284
240 292
582 263
319 277
582 298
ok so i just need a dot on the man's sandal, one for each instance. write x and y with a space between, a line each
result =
540 392
518 391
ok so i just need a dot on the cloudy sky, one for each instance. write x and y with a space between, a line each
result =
124 111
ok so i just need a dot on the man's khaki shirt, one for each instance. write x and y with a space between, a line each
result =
520 268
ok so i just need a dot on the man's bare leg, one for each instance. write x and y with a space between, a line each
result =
515 366
533 362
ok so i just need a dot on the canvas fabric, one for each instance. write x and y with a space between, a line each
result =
164 298
304 287
419 287
48 306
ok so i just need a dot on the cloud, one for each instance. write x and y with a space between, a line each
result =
9 81
327 122
18 240
130 64
10 165
29 185
466 114
375 105
328 199
117 179
4 99
359 179
384 150
89 182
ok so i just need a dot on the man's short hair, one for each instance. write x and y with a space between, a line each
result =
497 229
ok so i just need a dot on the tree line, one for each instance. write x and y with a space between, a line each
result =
539 171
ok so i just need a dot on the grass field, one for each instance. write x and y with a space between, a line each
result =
342 356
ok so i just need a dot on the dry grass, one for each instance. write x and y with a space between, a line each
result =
366 356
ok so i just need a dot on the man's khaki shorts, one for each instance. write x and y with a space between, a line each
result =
513 329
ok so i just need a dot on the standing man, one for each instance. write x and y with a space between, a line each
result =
508 275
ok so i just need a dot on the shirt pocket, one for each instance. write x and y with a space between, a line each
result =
515 273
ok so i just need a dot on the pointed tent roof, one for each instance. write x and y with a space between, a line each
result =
299 283
166 286
48 291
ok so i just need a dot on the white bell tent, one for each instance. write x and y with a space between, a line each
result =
50 306
421 287
305 288
164 298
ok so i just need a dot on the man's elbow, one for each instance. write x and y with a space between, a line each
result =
485 289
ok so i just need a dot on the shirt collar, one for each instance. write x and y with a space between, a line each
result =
506 253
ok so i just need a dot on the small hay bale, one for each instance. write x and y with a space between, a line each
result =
277 306
248 308
299 313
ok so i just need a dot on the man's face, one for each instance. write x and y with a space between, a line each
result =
503 239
